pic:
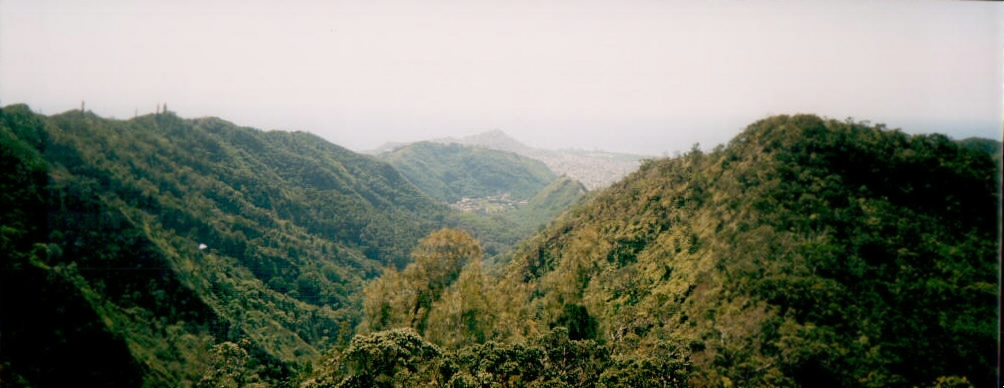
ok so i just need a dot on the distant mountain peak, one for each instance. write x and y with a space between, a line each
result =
595 169
495 139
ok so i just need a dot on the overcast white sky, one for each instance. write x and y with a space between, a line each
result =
638 76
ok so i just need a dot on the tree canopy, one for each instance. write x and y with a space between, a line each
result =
804 252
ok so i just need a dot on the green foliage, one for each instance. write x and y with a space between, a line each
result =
405 298
662 365
951 382
463 315
552 199
56 345
111 215
497 364
449 172
542 208
805 250
500 232
552 360
992 147
394 358
229 367
402 358
578 322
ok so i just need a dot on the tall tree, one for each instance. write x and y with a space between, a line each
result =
405 298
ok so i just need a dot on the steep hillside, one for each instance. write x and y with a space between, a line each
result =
161 237
450 172
806 252
502 198
550 201
52 344
500 232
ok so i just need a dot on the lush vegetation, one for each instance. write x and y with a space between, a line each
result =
161 237
806 252
528 194
450 172
595 169
46 321
500 232
992 147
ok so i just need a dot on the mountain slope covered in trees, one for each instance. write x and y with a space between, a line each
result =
992 147
595 169
161 251
449 172
504 198
806 252
161 239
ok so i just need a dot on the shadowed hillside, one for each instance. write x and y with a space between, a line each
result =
164 236
806 252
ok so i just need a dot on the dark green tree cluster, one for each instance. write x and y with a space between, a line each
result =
403 358
49 346
162 236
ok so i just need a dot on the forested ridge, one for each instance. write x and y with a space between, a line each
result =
194 252
171 237
510 196
449 172
806 252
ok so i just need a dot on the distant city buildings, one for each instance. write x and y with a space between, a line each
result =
490 204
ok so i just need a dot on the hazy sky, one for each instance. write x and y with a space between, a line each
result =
639 76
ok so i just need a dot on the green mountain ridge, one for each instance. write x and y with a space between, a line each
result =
503 196
292 225
990 146
162 251
450 172
595 169
806 252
